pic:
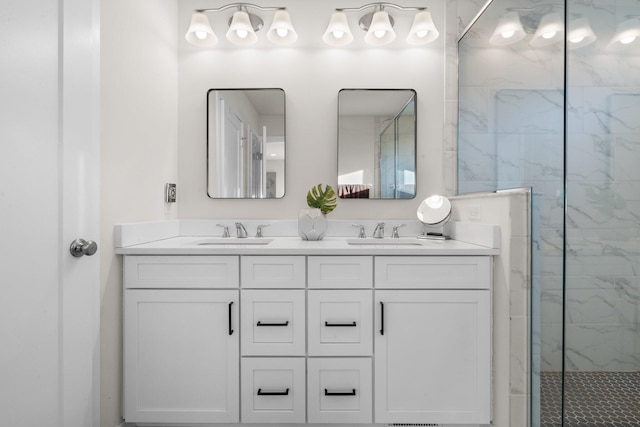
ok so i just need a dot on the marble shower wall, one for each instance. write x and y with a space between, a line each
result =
603 195
511 134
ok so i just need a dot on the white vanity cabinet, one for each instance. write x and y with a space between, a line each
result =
307 338
433 340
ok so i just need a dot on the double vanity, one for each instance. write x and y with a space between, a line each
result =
281 330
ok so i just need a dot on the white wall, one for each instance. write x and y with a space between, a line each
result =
311 76
139 150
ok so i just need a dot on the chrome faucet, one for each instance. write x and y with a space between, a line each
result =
378 233
361 234
259 230
395 234
225 232
241 232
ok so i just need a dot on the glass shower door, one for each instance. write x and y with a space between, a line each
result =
602 269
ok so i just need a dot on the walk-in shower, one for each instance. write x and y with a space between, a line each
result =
549 98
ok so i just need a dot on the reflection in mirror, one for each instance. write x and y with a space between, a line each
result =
377 143
245 143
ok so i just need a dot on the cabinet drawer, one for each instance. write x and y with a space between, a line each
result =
272 271
273 390
340 390
273 322
201 272
434 272
340 272
340 322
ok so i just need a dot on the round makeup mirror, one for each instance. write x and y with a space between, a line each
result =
434 212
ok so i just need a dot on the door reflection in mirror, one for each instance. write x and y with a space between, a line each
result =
245 143
377 143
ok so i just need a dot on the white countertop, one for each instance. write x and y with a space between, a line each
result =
192 245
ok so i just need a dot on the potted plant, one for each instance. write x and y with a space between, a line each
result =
312 222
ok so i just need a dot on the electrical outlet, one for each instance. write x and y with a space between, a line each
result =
475 212
170 193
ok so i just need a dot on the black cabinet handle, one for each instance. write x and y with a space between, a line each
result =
273 393
339 324
230 325
340 393
381 318
260 323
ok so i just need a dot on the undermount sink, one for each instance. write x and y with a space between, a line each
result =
232 241
388 242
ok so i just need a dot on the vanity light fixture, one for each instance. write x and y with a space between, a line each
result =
546 26
580 33
243 26
508 31
379 26
626 34
549 31
338 32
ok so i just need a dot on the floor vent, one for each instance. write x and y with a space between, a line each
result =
413 425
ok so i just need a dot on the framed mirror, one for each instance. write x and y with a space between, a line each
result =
245 143
377 143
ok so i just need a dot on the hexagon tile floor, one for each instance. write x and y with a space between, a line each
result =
598 399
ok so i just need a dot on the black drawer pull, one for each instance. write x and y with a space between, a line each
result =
260 323
273 393
340 393
339 324
230 326
381 318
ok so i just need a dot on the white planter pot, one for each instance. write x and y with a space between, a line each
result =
312 224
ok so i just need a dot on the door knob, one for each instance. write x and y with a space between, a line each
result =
80 247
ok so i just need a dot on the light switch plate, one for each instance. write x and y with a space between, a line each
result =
170 192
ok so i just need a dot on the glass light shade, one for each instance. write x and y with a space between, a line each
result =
423 30
550 30
380 31
580 33
508 31
200 32
241 31
626 34
338 32
281 30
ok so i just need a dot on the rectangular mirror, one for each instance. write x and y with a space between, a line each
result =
377 143
245 143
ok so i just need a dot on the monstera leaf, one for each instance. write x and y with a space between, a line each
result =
325 200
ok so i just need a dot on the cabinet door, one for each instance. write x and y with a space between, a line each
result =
273 390
273 272
181 356
273 322
340 272
433 357
340 322
339 390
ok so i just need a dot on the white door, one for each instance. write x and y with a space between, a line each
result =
49 196
433 356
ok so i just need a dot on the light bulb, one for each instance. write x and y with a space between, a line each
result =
422 34
435 202
242 33
338 34
549 35
282 32
379 33
576 39
627 40
508 34
201 35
